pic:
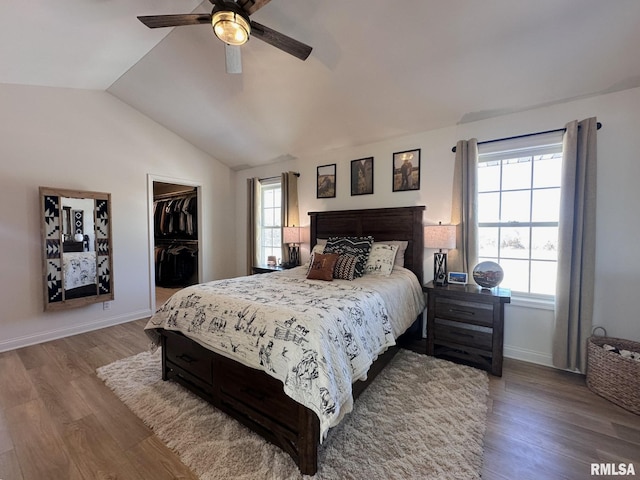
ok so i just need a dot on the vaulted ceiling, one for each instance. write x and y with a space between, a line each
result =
378 69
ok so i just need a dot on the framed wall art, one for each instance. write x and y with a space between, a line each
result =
362 176
406 170
326 181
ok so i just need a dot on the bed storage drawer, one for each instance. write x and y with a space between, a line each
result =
248 395
189 356
253 390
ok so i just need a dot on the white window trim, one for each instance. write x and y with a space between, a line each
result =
547 143
269 183
508 148
531 300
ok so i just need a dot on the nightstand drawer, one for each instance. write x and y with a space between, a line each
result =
467 311
463 334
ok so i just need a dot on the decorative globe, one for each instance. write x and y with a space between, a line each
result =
488 274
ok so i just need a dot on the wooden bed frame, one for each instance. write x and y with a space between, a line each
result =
257 399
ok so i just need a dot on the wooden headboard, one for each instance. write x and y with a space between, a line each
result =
400 223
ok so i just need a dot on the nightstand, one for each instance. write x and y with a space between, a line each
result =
466 323
266 268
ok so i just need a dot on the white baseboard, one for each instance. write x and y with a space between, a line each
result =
41 337
530 356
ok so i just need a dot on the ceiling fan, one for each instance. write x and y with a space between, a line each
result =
231 24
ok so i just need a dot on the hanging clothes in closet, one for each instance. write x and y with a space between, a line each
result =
176 246
176 217
176 264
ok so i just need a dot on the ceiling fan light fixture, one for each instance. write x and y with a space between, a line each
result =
230 27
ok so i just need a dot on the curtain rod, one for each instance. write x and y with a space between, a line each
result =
599 126
297 174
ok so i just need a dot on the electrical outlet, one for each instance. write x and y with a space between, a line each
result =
106 305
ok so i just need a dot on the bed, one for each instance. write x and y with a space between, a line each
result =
289 365
80 274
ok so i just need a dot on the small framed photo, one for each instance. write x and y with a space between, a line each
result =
459 278
362 176
406 170
326 186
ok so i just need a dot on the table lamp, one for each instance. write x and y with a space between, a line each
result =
440 237
291 236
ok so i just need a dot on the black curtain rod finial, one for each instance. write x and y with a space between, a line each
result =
598 127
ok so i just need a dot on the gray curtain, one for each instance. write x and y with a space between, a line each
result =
464 208
253 221
290 213
576 246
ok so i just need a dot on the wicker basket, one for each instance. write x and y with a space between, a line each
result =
611 375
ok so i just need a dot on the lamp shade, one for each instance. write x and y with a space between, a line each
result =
291 234
440 236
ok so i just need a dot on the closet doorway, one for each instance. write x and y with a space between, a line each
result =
175 236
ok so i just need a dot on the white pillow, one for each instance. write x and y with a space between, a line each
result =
381 259
402 247
317 248
320 243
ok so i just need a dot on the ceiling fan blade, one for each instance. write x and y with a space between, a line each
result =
158 21
281 41
233 58
252 6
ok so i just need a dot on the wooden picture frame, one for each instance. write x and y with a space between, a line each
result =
362 176
61 250
406 170
326 181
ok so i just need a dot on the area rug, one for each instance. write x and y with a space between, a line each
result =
421 418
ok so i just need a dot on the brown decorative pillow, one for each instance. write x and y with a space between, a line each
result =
322 265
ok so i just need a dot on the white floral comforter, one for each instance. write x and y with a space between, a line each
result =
316 337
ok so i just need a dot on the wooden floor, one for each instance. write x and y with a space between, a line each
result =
59 421
546 424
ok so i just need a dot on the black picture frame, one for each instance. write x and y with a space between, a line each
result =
326 181
406 170
362 176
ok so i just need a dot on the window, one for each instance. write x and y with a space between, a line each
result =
518 210
270 220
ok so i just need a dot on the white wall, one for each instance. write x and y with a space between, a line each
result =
528 331
89 140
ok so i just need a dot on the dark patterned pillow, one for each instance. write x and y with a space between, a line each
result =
358 247
345 268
